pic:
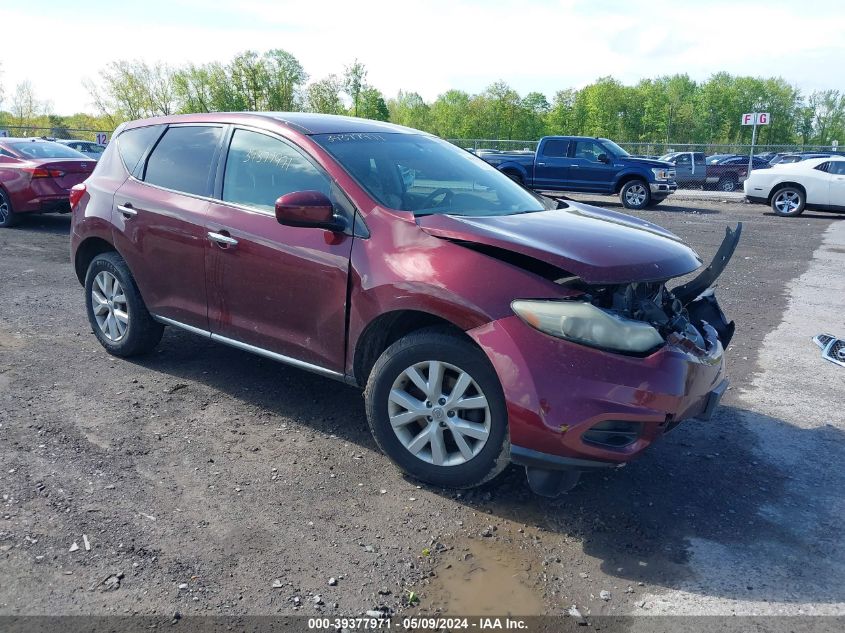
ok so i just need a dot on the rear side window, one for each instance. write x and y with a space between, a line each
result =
132 145
556 148
261 168
182 159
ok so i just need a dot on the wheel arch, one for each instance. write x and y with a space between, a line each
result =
389 327
626 177
784 184
87 250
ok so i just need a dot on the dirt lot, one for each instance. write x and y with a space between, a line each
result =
209 481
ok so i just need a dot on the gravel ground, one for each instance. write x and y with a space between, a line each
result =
204 480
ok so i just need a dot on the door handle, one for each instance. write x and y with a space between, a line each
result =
541 164
574 166
222 240
127 210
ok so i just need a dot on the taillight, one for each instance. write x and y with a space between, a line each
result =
76 193
40 172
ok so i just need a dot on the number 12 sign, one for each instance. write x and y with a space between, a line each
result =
755 118
102 138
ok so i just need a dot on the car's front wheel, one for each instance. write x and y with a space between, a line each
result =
116 311
436 408
635 194
788 201
7 217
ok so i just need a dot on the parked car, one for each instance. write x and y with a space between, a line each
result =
694 169
460 301
593 165
36 177
737 159
89 148
797 157
815 183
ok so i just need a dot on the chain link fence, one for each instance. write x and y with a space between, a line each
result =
28 131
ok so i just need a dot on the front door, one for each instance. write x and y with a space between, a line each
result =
837 184
277 288
586 171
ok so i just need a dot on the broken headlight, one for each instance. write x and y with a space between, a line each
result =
589 325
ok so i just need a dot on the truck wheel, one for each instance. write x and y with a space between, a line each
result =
727 184
635 194
788 201
436 407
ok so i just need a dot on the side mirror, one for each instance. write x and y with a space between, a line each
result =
602 158
306 209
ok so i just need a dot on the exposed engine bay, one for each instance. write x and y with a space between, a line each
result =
688 316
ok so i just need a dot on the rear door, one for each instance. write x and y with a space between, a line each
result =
278 288
551 164
159 218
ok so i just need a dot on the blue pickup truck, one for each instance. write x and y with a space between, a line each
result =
592 165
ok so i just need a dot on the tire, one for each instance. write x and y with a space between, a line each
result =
8 218
472 464
136 332
727 185
635 194
788 201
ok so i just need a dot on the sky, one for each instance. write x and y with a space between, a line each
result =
429 47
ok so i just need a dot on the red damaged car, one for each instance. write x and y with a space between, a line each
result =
36 176
486 324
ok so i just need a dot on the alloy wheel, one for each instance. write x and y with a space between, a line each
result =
4 208
636 195
787 201
108 301
439 413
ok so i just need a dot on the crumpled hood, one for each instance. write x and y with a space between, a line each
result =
597 245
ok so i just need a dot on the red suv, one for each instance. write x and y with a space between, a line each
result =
486 324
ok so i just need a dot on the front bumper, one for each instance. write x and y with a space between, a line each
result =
556 391
662 189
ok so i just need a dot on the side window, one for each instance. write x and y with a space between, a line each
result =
683 160
260 168
556 148
588 150
182 159
699 158
837 168
132 144
823 167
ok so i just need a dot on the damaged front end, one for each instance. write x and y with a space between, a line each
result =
637 318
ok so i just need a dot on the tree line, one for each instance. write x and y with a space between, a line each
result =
670 109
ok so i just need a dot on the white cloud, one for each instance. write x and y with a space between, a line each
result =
433 46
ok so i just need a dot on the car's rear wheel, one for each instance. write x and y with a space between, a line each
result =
635 194
727 184
7 217
788 201
516 177
116 311
436 408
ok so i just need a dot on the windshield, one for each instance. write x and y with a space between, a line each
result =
44 149
614 148
426 175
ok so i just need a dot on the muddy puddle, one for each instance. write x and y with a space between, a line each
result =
484 578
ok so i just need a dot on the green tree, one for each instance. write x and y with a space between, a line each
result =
371 105
324 96
354 82
409 108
